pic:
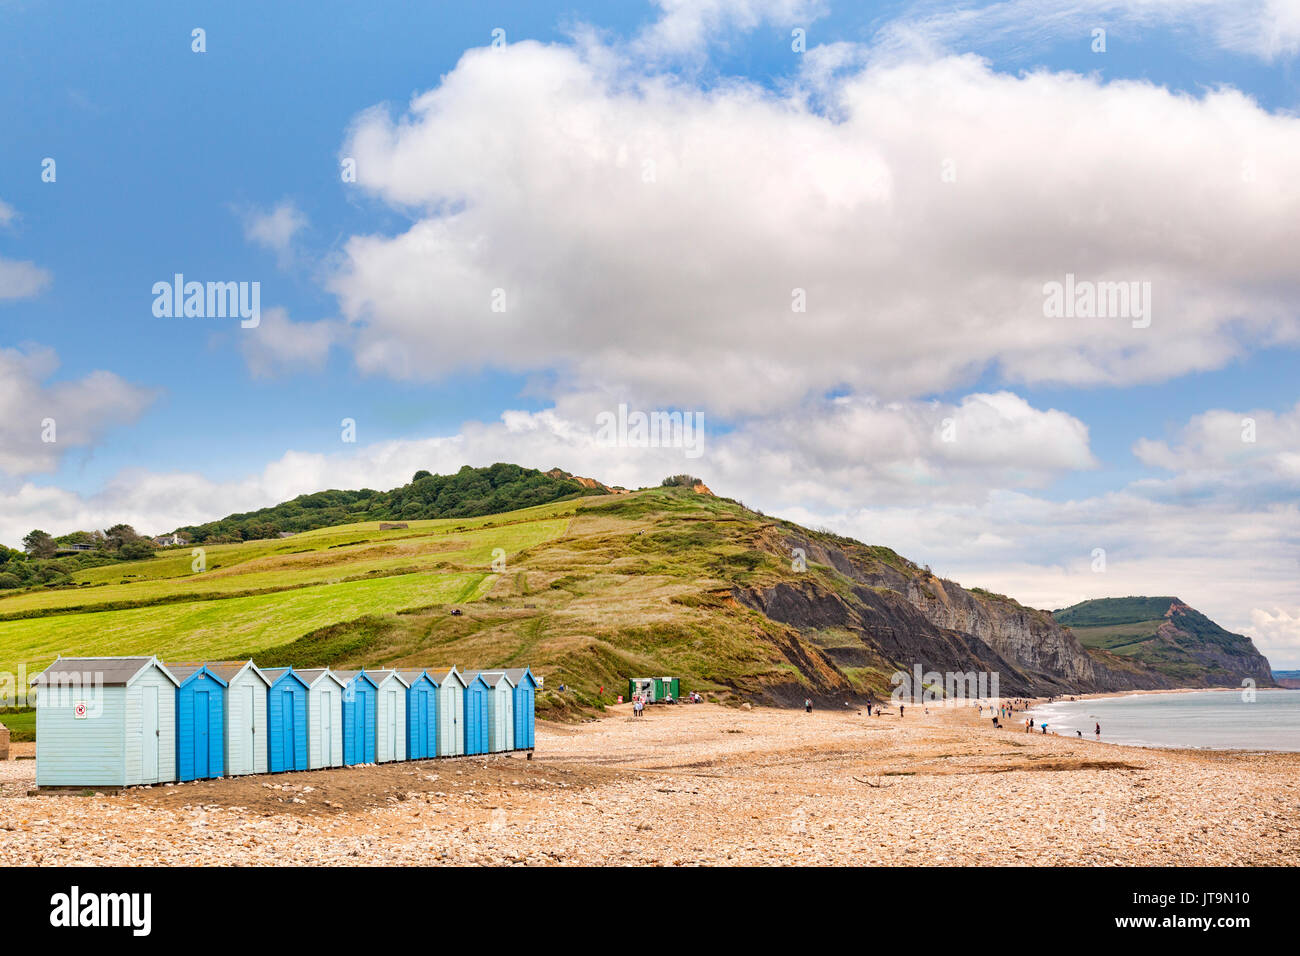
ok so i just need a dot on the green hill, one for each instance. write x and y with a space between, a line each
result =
468 493
1167 635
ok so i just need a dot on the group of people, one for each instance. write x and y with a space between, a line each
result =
639 702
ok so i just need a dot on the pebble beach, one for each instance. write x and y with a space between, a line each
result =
702 785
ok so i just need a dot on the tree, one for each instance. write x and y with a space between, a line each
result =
119 535
9 581
421 474
134 550
680 481
39 544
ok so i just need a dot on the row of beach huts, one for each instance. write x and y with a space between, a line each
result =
129 721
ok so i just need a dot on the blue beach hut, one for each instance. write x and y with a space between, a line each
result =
200 722
286 720
421 714
360 701
476 726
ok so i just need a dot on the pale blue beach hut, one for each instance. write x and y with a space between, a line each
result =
525 706
451 712
245 713
105 722
390 691
324 717
501 711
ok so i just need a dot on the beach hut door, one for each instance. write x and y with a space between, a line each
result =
201 749
392 725
149 727
421 726
326 729
250 744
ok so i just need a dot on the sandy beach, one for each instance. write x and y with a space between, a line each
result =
705 784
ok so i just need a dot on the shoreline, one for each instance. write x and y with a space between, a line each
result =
1171 748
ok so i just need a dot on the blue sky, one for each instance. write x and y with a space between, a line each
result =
169 160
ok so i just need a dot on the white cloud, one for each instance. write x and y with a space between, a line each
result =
1219 440
81 410
527 171
279 344
1278 628
686 26
1262 28
21 280
275 229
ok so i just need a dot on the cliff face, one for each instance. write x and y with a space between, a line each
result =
903 617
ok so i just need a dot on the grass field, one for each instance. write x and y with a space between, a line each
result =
316 557
21 724
1118 638
260 594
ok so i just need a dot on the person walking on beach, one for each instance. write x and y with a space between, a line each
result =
1099 730
1044 728
807 705
900 711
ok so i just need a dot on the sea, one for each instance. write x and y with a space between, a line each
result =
1212 720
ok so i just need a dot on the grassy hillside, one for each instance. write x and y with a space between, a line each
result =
592 590
1108 611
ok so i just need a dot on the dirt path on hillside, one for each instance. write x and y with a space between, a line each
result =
705 784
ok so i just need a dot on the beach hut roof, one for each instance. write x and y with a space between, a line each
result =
183 672
439 677
411 676
493 678
105 671
382 675
516 674
229 670
273 674
347 677
313 676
